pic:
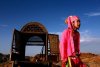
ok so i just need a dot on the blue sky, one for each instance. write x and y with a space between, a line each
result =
52 14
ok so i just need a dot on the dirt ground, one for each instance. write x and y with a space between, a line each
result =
92 60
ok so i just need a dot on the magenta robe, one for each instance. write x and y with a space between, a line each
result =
70 44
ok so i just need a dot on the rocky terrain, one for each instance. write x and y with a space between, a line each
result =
92 60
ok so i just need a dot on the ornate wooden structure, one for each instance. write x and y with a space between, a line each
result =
34 33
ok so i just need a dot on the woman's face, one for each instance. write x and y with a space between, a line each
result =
76 24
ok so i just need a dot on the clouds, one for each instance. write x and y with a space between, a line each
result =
93 14
86 36
3 25
89 43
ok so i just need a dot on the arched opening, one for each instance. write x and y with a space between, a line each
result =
35 40
35 45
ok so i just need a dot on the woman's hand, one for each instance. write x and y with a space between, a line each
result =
65 60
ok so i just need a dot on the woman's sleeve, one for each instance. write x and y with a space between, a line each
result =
63 46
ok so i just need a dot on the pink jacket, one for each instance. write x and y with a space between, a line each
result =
70 41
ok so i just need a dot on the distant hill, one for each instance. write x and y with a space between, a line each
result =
92 60
4 57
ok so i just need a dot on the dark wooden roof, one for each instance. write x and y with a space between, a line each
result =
34 27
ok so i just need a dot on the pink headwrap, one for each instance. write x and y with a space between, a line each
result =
70 19
66 46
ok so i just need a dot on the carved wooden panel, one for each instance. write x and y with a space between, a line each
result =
34 27
54 43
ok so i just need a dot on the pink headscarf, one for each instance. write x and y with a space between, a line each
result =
66 46
70 19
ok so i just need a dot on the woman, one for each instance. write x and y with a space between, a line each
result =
70 43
